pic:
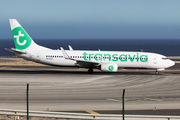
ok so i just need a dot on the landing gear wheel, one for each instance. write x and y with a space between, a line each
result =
156 72
90 71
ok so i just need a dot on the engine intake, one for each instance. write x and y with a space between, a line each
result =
109 67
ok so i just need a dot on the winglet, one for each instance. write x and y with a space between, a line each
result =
66 56
70 48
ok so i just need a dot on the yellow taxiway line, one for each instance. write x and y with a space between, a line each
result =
91 112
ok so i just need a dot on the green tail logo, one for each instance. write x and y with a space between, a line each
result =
21 39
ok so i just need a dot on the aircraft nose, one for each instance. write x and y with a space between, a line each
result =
171 63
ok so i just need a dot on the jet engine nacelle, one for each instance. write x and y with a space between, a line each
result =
109 67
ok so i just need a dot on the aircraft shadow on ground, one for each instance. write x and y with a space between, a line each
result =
78 72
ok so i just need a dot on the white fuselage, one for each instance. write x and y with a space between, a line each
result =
109 61
121 58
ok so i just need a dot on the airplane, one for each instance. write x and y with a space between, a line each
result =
108 61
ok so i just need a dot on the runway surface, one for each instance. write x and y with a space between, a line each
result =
73 90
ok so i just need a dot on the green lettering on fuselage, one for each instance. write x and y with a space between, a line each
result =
137 58
132 59
114 57
123 58
109 56
98 57
90 56
143 58
85 55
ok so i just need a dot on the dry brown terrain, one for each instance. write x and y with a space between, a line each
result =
17 62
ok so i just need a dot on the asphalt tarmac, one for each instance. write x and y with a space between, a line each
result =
74 90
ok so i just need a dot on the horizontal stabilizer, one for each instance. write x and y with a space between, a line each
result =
16 51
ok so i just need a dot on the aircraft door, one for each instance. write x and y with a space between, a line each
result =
155 59
38 56
144 64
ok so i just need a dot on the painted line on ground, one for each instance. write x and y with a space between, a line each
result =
123 69
91 112
81 68
153 99
4 67
113 99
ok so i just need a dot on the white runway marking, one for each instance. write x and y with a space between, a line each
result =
91 79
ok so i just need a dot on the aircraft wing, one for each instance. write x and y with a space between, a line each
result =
80 63
16 51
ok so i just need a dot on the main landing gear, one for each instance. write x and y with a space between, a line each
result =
90 71
157 72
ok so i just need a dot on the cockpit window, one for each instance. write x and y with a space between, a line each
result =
164 58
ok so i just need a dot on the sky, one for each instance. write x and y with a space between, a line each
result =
93 19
